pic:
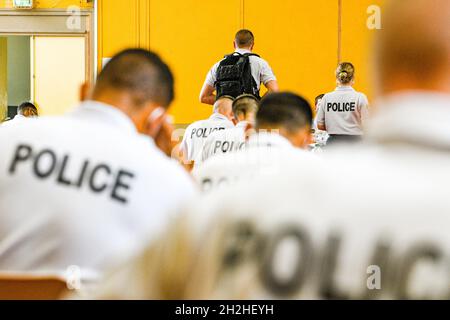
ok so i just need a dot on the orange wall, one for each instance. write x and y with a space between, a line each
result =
299 38
356 40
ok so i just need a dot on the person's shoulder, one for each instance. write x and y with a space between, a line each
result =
29 127
219 162
363 97
152 160
228 124
183 180
259 59
196 124
295 158
217 135
216 65
328 95
215 123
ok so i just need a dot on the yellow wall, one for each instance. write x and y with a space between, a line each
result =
356 41
299 38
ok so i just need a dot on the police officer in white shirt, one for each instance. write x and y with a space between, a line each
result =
261 71
380 226
233 139
342 112
283 127
89 188
196 134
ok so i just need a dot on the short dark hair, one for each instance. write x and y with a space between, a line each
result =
244 104
142 73
319 97
244 38
27 109
284 109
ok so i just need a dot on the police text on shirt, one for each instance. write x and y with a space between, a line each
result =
98 178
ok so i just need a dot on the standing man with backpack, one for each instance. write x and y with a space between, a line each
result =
241 72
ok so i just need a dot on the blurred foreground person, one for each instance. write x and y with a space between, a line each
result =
378 228
25 111
283 127
233 139
97 186
197 133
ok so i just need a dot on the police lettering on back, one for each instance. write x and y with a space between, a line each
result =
341 107
204 132
98 178
227 146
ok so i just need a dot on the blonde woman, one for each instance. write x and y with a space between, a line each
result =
342 112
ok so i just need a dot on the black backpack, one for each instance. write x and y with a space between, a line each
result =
234 76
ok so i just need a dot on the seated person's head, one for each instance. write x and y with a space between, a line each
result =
137 82
27 109
288 114
224 106
412 51
318 100
245 108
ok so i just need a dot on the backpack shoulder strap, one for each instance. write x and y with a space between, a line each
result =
252 55
233 54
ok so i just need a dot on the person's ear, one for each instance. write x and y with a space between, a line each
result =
234 44
300 139
304 137
85 91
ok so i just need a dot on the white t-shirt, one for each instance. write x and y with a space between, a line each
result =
343 111
261 71
18 119
83 189
372 222
265 154
197 133
225 141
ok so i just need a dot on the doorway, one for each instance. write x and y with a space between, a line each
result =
44 59
17 72
56 77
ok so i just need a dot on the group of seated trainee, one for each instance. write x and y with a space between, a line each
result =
256 215
282 126
369 220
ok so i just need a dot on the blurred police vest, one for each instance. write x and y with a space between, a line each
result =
234 76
